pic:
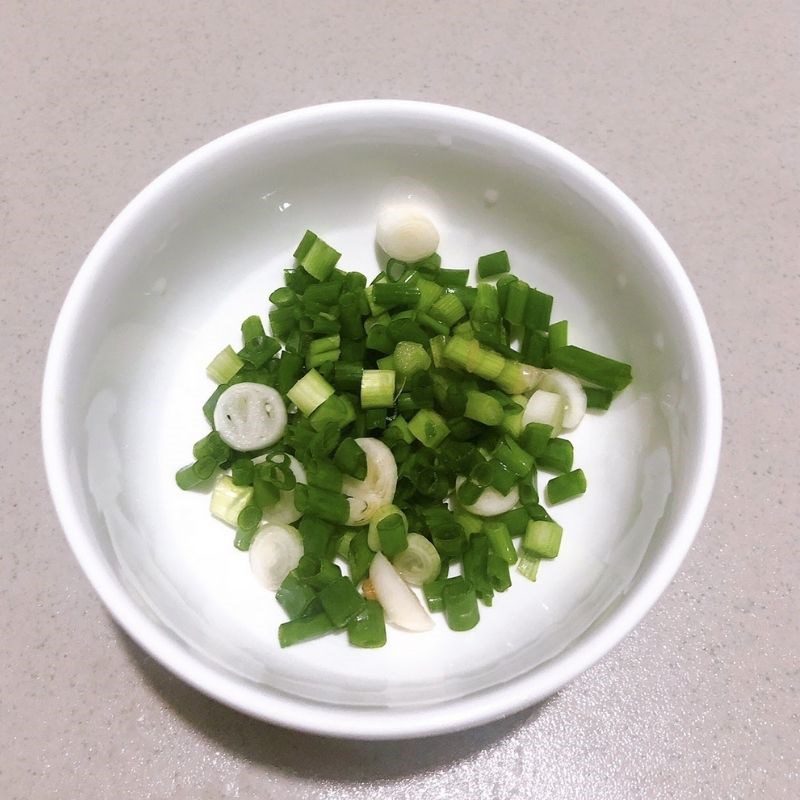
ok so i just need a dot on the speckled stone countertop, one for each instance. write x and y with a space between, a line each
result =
692 108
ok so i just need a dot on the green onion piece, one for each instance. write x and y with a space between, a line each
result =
449 539
367 628
224 365
310 392
392 534
386 512
211 403
377 388
557 336
493 264
304 628
317 359
460 604
419 563
500 541
404 329
483 408
350 316
466 294
534 438
281 297
249 518
537 310
487 304
433 595
469 522
227 499
309 237
265 494
354 352
565 487
448 309
410 357
324 344
432 325
534 348
437 345
498 573
475 563
431 264
337 410
243 472
212 446
469 355
323 473
395 269
316 535
194 474
253 328
503 479
375 308
591 367
343 544
429 428
556 456
390 295
469 492
351 459
528 566
528 493
514 457
317 572
294 596
516 302
289 369
512 421
259 350
429 293
515 520
542 539
283 321
451 277
331 506
341 601
347 376
387 362
503 285
378 338
325 294
359 556
375 419
319 260
598 398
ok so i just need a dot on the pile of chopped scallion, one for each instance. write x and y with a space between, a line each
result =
390 435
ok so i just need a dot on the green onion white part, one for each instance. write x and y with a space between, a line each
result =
572 394
274 553
404 232
285 511
400 604
491 502
227 499
250 416
545 407
378 487
419 563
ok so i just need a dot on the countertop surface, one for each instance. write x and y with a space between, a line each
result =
692 108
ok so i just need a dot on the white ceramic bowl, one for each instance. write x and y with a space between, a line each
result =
201 248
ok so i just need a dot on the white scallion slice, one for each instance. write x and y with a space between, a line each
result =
404 232
419 563
274 552
491 502
378 487
400 604
249 416
572 394
545 407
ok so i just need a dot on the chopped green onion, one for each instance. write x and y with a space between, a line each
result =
281 297
448 309
542 539
319 259
598 398
359 556
483 408
227 500
410 357
253 328
377 388
294 596
534 437
347 376
310 392
534 348
337 410
212 446
289 369
429 428
460 604
367 628
493 264
500 541
556 456
390 295
243 472
450 278
537 310
565 487
331 506
224 365
487 305
557 336
249 518
591 367
433 594
341 601
394 532
317 572
194 474
316 534
515 520
351 459
304 628
429 293
528 566
469 355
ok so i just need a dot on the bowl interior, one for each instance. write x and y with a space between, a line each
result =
199 250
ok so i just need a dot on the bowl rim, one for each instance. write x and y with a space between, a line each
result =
377 722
